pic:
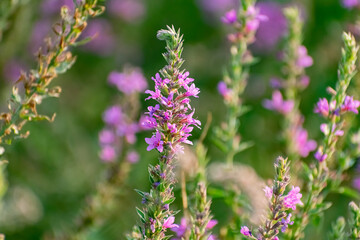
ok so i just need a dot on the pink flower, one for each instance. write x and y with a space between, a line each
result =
169 223
304 60
268 192
278 104
148 122
230 17
106 137
322 107
356 183
350 3
325 129
211 224
245 230
132 157
320 156
108 154
293 198
113 115
303 145
223 90
155 142
128 82
350 105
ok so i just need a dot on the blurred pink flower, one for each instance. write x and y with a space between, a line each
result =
128 10
102 42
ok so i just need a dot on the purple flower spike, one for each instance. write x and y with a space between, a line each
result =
155 142
350 105
148 122
278 104
106 137
293 198
230 17
304 60
245 231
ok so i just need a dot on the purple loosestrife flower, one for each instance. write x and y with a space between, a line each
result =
180 230
169 223
128 10
285 222
322 107
254 19
211 224
304 60
108 154
173 125
245 231
350 3
350 105
268 192
293 198
155 142
320 156
230 17
278 104
130 81
224 90
106 136
303 145
113 115
271 31
324 128
132 157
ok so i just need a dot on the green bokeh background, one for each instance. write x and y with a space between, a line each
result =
59 164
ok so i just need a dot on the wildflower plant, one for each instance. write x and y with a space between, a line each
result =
295 59
280 204
340 103
55 60
173 125
245 22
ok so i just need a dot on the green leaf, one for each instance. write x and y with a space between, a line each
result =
141 215
348 192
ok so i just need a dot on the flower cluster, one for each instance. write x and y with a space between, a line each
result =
120 126
172 119
185 227
296 59
280 204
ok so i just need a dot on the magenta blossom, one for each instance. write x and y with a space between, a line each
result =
169 223
350 105
268 192
180 230
245 230
293 198
304 60
106 136
322 107
285 222
155 142
128 82
320 156
230 17
108 154
278 104
356 183
113 115
148 122
132 157
211 224
302 144
223 90
325 129
350 3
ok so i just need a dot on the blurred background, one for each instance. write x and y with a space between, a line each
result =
54 170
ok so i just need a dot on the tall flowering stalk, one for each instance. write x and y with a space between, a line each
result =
245 22
117 141
332 111
279 203
295 59
172 119
52 61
